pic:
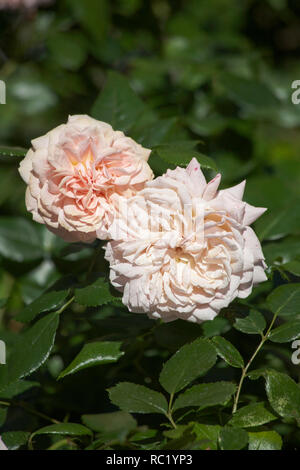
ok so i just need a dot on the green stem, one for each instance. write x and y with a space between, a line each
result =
170 418
5 403
245 369
26 407
61 443
65 306
169 414
171 402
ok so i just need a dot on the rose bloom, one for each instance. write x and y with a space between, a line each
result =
77 172
185 249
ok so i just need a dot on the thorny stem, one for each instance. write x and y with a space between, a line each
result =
245 369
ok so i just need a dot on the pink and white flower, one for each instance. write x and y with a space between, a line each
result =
76 175
184 249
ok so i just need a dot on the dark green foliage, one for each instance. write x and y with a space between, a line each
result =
210 80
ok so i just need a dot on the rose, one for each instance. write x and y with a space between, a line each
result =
185 249
77 172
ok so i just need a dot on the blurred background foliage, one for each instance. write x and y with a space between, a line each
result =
217 73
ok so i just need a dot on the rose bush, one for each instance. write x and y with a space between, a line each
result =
81 371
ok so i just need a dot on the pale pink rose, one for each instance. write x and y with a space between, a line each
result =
14 4
77 172
185 249
2 445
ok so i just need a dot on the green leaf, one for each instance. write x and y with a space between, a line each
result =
69 429
176 433
252 415
228 352
257 373
159 166
153 134
265 440
191 361
172 336
184 439
12 189
231 438
94 354
208 433
249 92
279 223
15 439
205 395
12 152
17 388
20 240
179 154
137 399
46 302
285 300
286 332
31 350
93 15
96 294
282 251
217 326
253 324
143 435
113 425
292 267
283 394
68 49
117 104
